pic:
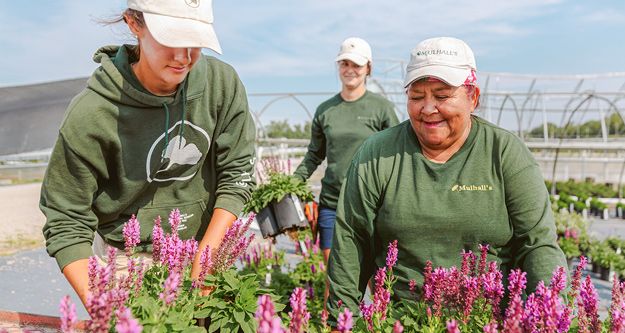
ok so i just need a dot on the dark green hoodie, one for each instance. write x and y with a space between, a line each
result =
122 150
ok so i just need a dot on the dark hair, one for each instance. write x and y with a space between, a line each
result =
136 15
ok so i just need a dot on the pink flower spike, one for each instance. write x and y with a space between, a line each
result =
157 241
170 288
452 326
132 233
68 315
126 323
391 256
491 328
558 280
300 315
174 221
266 317
345 321
397 327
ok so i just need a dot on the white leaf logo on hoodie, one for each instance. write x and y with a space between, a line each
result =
178 152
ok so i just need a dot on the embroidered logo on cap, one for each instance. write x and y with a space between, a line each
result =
192 3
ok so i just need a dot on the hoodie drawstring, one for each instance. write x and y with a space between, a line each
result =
166 130
182 119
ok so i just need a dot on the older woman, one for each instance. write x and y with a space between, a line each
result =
442 182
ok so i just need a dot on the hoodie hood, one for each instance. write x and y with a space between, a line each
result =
114 80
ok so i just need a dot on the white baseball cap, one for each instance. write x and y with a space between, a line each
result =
355 49
179 23
445 58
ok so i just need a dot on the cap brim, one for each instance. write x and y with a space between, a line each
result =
181 32
450 75
355 58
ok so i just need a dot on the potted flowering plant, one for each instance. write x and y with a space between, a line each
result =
279 204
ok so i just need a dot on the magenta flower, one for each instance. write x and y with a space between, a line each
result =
491 327
381 296
266 317
299 315
493 287
514 314
324 318
132 233
483 254
68 314
452 326
345 321
617 306
367 313
397 327
558 280
391 256
205 263
170 288
157 240
233 245
412 286
126 323
174 221
587 307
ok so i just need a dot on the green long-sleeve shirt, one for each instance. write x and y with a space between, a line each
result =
338 128
490 191
122 150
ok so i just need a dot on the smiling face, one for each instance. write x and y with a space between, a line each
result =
352 75
440 114
160 68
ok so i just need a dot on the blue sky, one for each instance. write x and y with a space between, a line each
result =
289 46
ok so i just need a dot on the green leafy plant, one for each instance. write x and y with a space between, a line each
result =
278 187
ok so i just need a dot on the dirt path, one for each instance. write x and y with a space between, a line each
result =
20 218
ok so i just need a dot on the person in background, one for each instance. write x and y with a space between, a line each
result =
442 182
159 126
340 125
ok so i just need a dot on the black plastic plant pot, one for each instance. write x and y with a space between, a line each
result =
289 213
267 222
604 273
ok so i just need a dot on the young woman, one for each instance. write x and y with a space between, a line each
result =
159 126
340 125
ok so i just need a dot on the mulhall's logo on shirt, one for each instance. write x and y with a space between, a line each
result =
464 187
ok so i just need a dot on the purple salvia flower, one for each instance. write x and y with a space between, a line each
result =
68 314
345 321
558 280
132 233
452 326
300 315
174 221
412 286
367 313
157 240
481 269
126 323
313 269
514 312
471 292
205 264
170 288
266 317
324 318
397 327
587 305
493 289
100 311
468 260
576 281
617 317
92 272
391 256
381 296
491 327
